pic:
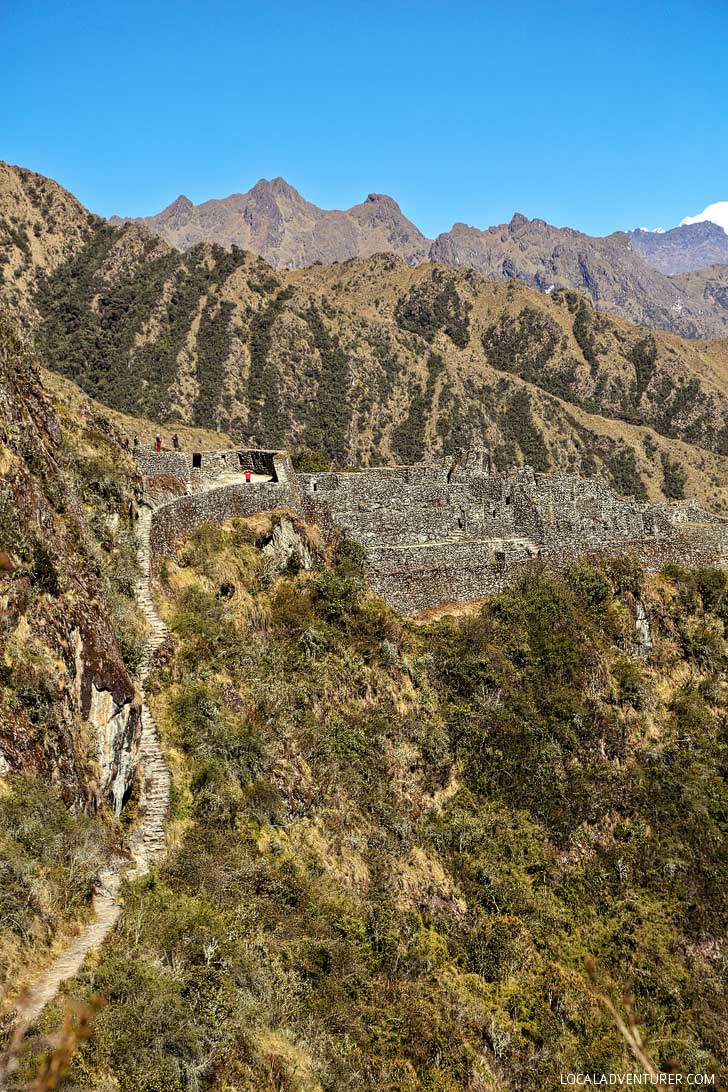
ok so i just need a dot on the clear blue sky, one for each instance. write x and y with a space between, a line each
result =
601 114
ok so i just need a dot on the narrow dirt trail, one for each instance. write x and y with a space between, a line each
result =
147 841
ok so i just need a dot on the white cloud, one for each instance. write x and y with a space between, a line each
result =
716 213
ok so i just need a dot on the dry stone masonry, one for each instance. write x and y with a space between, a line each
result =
443 532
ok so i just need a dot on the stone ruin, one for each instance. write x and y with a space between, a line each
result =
438 533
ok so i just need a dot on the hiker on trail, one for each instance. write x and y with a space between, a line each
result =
175 442
247 476
158 444
136 441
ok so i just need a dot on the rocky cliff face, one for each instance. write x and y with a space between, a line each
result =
67 703
608 270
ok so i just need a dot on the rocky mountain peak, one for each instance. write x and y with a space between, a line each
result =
383 199
179 213
276 187
683 249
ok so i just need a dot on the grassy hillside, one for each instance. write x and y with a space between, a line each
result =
424 857
66 396
372 361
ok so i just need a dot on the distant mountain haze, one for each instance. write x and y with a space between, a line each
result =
694 245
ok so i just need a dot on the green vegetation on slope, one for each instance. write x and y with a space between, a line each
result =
94 322
397 847
334 359
173 335
49 863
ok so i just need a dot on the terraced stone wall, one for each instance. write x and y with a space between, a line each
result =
213 463
454 532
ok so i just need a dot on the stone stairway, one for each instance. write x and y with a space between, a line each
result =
147 841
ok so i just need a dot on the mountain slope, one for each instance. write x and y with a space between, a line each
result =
707 287
41 226
374 361
608 270
400 849
69 640
56 567
274 221
684 248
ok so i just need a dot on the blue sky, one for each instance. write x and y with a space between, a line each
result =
600 114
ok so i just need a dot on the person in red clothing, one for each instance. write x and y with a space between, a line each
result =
247 476
158 444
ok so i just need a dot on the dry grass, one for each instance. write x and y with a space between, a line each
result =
70 395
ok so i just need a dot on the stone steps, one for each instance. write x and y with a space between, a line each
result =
148 841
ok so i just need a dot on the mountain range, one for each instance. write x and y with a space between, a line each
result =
675 280
373 359
385 358
636 274
274 221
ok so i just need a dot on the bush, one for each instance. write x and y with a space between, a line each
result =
45 573
308 461
674 478
591 586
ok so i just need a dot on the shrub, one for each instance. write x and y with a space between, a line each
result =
674 478
591 586
45 573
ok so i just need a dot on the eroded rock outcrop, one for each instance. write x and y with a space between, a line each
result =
68 709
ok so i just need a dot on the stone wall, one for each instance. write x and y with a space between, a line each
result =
421 578
154 464
414 578
258 461
445 533
202 465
